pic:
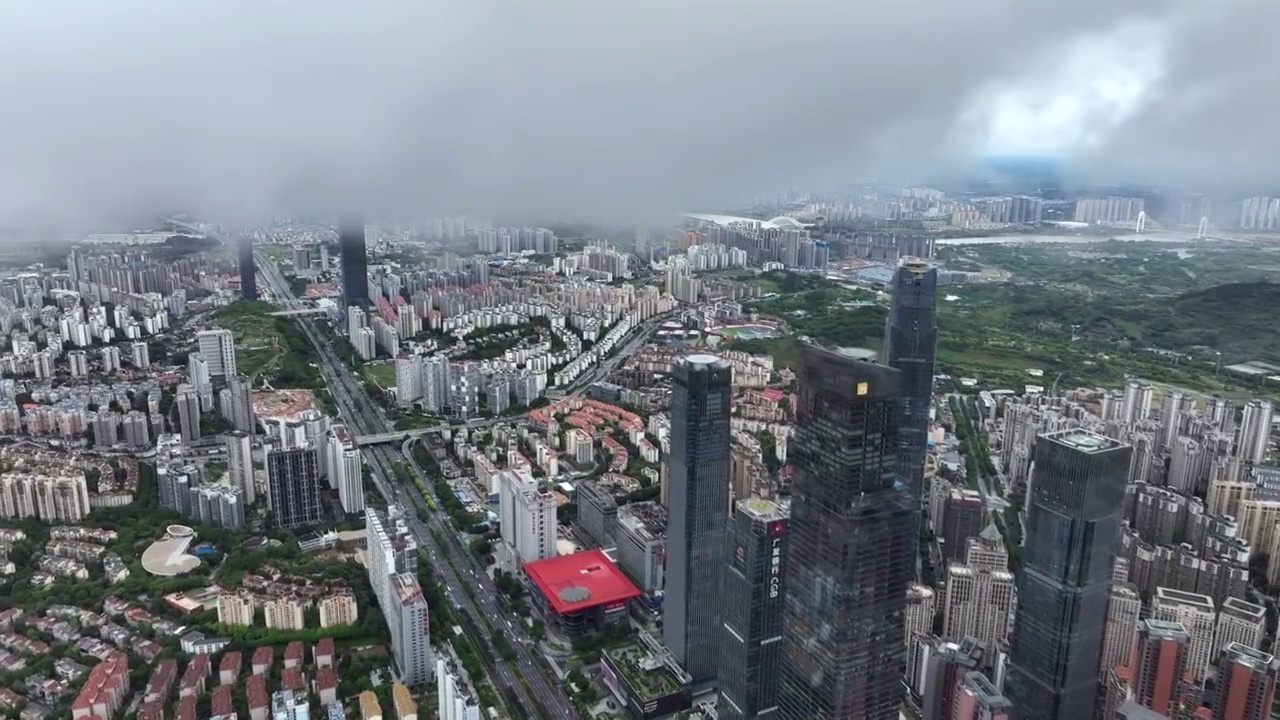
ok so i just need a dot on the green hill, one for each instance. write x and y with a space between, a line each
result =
1240 320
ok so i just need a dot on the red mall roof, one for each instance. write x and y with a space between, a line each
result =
579 581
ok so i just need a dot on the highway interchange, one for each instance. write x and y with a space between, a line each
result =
528 680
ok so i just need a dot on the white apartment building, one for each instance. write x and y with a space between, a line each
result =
1122 625
1197 614
1240 622
217 348
346 469
527 514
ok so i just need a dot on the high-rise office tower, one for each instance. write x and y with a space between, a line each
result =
217 348
355 262
188 402
935 670
911 344
1072 523
751 609
698 504
293 487
248 269
849 560
1158 658
1246 684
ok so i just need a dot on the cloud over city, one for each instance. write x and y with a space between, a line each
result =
615 109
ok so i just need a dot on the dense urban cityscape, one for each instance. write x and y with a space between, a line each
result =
882 453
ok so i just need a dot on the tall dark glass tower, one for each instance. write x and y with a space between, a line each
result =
751 611
1072 521
910 346
248 269
850 557
697 508
355 261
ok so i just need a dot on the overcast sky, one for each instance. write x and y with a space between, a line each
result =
622 108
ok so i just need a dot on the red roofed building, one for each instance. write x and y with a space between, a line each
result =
150 711
222 703
229 668
104 690
291 679
294 653
186 708
584 590
255 692
193 679
161 682
323 652
327 685
262 659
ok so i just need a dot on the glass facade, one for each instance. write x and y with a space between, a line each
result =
698 507
849 557
751 602
355 262
911 344
1071 526
248 269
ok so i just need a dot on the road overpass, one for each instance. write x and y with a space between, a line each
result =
297 312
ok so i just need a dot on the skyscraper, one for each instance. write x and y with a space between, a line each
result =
248 269
911 343
850 559
293 487
1072 521
355 262
188 402
698 495
750 653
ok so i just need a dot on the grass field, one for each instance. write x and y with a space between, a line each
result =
381 374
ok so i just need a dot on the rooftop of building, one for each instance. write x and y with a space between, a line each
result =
579 581
645 672
1169 596
1164 629
1245 655
1084 441
761 509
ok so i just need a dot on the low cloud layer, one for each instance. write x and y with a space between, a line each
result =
619 109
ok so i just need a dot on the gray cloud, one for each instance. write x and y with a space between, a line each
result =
614 109
1209 120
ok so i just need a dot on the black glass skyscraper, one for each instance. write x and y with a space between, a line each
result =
355 261
1064 584
751 611
248 269
697 509
849 559
911 346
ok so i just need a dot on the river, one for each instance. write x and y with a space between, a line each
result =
1067 239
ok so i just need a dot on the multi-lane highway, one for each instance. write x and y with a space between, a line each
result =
527 682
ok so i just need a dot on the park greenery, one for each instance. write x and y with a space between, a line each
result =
1082 314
